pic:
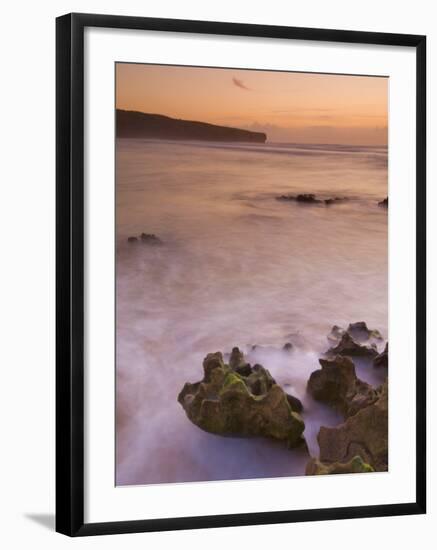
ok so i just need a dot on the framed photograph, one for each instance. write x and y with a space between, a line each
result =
240 234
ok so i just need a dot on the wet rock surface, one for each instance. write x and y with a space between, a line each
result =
146 238
359 332
364 434
348 347
355 466
334 200
381 360
307 198
337 385
236 399
310 198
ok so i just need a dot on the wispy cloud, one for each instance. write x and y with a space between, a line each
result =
240 84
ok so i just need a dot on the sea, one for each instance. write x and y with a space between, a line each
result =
237 267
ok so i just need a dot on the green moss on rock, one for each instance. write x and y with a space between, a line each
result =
355 466
228 403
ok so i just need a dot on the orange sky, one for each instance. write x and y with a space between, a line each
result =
295 107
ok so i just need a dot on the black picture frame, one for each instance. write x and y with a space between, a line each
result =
70 273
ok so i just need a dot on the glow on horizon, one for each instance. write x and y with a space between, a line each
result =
294 107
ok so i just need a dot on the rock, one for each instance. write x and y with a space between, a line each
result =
364 434
295 403
335 335
308 198
132 240
381 360
361 333
238 364
358 331
285 349
150 238
226 402
337 385
334 200
355 466
349 347
384 203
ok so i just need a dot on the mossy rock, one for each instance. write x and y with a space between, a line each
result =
234 401
337 385
364 434
349 347
355 466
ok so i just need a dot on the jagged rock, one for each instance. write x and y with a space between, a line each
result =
384 203
335 335
358 331
132 240
150 238
361 333
355 466
381 360
364 434
295 403
227 402
337 385
349 347
308 198
238 363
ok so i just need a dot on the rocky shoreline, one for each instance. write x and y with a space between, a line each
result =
235 398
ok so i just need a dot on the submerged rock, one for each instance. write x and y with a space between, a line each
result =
146 238
334 200
355 466
337 385
287 348
384 203
150 238
381 360
308 198
364 434
236 399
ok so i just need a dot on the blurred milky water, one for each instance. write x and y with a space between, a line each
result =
237 268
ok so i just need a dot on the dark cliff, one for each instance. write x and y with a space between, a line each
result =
133 124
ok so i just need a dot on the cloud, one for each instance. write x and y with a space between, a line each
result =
240 84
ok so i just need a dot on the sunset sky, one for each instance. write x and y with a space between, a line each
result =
293 107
